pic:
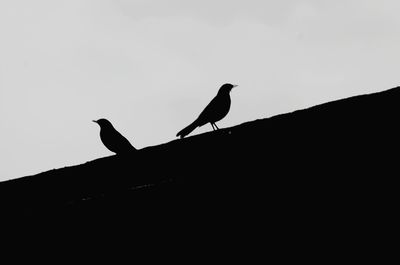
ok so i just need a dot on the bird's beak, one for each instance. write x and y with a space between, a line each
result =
94 121
234 86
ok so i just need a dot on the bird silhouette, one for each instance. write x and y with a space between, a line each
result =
112 139
215 111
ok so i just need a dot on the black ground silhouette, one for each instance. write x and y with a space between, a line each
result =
314 178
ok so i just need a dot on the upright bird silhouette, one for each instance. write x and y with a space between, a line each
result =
215 111
112 139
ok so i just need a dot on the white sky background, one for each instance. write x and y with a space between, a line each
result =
151 66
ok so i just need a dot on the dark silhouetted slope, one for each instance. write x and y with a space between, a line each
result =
320 173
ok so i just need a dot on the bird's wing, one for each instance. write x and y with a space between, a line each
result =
209 111
123 143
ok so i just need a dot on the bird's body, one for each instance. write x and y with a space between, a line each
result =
215 111
112 139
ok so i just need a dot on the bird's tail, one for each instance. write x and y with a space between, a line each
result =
188 129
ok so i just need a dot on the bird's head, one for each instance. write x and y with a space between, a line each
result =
103 123
226 88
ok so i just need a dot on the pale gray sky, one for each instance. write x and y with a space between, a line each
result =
151 66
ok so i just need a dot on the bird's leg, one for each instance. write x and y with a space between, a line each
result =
212 125
216 126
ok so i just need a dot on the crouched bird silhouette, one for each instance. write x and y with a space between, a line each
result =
215 111
112 139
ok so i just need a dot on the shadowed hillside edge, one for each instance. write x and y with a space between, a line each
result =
335 159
